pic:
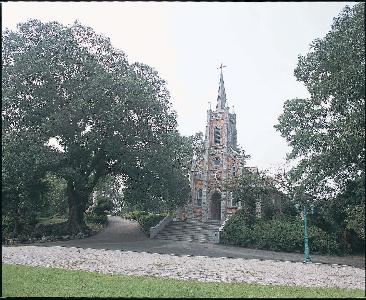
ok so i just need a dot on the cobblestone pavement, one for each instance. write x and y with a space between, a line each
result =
122 234
219 269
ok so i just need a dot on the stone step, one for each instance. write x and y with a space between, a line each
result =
191 230
175 238
198 223
183 225
168 234
192 226
193 233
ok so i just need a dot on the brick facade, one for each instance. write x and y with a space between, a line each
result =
220 160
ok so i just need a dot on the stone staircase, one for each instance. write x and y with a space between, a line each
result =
191 230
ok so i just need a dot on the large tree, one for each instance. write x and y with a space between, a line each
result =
68 85
327 130
161 181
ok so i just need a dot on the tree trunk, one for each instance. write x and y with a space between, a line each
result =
76 201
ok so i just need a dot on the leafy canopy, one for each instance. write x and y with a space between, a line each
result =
69 86
327 130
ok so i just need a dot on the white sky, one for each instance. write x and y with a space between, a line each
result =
186 42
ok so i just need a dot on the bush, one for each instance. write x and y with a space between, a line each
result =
56 229
104 206
323 242
101 219
25 225
7 225
279 234
144 218
135 215
148 221
98 214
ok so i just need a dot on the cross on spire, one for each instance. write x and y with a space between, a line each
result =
221 66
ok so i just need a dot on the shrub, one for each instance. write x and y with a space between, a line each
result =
101 219
144 218
98 214
7 225
236 232
135 215
25 225
323 242
147 221
104 205
279 234
56 229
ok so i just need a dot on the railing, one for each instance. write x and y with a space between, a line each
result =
218 233
160 226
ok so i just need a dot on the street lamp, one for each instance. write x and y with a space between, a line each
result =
306 238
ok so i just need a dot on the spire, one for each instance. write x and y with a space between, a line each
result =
221 98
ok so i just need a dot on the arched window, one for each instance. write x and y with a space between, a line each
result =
199 197
216 161
217 135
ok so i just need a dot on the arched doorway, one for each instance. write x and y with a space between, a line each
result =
216 206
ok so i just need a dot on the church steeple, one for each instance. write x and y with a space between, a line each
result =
221 98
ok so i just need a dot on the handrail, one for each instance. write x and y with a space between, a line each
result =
160 226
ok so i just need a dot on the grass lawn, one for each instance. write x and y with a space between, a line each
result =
58 220
51 220
28 281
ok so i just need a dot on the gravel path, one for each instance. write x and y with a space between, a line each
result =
187 267
126 235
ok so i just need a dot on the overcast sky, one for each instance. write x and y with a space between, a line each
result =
186 42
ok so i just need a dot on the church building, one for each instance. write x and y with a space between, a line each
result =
219 160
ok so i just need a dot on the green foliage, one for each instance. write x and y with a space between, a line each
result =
147 221
279 234
111 187
50 229
355 220
104 205
53 220
251 188
24 281
69 86
162 182
54 199
24 226
327 130
343 216
101 219
136 214
98 214
22 184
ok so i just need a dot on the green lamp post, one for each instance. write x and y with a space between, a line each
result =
306 237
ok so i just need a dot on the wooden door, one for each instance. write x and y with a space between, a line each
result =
216 206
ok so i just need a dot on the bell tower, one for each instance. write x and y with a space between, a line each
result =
220 160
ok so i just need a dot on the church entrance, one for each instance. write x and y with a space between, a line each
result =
216 206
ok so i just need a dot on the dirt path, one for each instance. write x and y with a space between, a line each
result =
122 234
